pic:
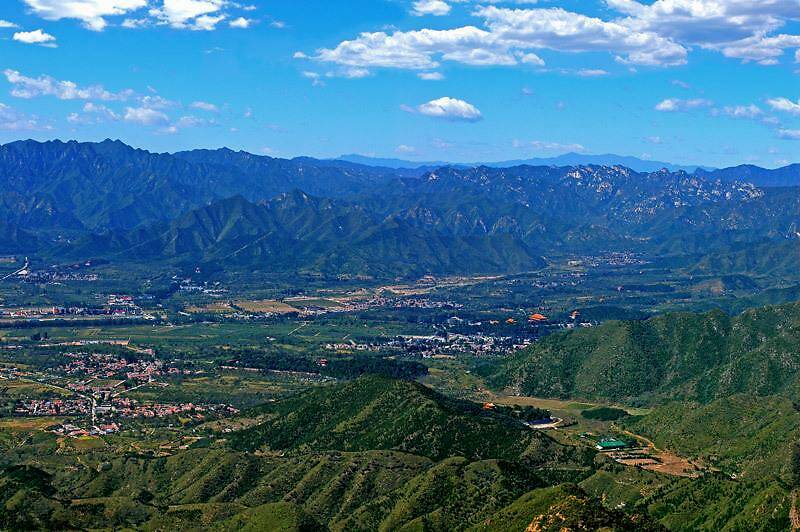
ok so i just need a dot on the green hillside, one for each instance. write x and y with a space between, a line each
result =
697 357
377 413
560 508
381 454
742 435
298 232
370 454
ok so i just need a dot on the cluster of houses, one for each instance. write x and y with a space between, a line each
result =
109 366
53 407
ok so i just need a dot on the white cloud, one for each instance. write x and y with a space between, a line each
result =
12 120
789 134
136 23
184 122
204 106
785 105
737 28
154 101
315 78
241 22
656 33
676 104
193 121
405 149
431 76
591 73
354 73
414 50
207 22
90 107
145 116
7 24
546 146
27 87
181 13
93 114
558 29
91 12
436 8
450 109
511 37
531 59
751 111
35 37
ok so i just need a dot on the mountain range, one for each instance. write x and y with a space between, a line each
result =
567 159
82 200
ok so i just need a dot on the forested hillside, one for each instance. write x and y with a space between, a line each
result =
698 357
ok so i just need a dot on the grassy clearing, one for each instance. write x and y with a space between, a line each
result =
266 306
28 424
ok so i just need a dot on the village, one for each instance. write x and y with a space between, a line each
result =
90 389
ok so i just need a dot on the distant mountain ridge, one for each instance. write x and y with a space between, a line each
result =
787 176
239 210
567 159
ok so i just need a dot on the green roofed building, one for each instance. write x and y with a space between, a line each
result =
610 444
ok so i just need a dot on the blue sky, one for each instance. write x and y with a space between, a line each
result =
711 82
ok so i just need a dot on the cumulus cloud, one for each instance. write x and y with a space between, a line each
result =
93 113
190 14
241 23
7 24
415 50
179 14
562 30
785 105
91 12
737 28
531 59
13 120
591 73
28 87
35 37
510 37
657 33
671 105
751 111
436 8
451 109
431 76
204 106
145 116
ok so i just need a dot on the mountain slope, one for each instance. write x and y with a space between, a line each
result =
71 185
377 413
366 455
787 176
567 159
299 232
693 356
